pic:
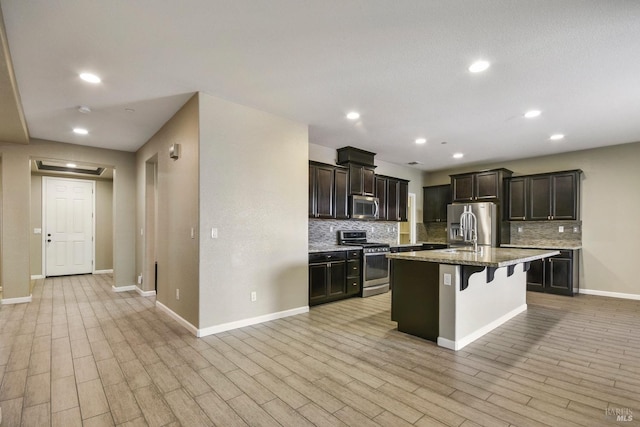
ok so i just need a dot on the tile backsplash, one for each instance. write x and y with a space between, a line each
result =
536 231
325 231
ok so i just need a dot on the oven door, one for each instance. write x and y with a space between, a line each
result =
376 269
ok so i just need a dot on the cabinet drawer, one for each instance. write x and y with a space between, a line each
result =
353 254
353 268
353 286
327 256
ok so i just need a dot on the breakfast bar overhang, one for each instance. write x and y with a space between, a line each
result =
455 296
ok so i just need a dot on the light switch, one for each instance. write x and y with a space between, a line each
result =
447 279
561 229
37 231
214 233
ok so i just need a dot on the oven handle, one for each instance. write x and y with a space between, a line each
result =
376 253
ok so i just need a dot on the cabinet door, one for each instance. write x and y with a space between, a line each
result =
381 194
324 192
393 194
368 181
431 204
318 277
403 200
564 196
337 278
356 179
444 200
341 205
487 185
559 276
540 197
462 188
536 275
517 199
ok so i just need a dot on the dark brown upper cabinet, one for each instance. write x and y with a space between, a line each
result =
397 199
321 191
381 194
543 197
435 201
516 199
554 196
341 204
479 186
361 180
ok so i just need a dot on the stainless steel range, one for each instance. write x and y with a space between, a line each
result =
375 265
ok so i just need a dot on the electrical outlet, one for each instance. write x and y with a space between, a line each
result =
331 229
214 233
520 229
372 228
561 229
576 229
447 279
178 294
254 296
140 279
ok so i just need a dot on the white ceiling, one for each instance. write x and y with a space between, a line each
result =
402 65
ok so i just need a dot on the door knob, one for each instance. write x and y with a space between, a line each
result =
48 234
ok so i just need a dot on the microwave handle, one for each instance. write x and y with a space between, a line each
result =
377 213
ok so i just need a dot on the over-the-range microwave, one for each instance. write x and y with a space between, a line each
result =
365 207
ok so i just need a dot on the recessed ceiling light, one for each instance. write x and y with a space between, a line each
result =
421 141
89 77
479 66
129 110
84 109
71 165
353 115
533 113
556 137
458 156
80 131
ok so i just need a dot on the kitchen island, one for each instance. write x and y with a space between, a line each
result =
454 296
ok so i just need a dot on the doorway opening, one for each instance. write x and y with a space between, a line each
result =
407 229
150 233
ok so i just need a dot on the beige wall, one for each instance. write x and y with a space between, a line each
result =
328 155
610 200
104 229
16 205
253 189
177 199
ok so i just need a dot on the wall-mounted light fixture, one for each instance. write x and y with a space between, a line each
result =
174 151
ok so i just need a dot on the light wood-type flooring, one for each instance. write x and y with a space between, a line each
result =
80 354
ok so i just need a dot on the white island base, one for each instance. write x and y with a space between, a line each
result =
466 315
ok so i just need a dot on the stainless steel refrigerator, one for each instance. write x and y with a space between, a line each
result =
488 223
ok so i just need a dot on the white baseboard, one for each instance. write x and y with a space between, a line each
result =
175 316
19 300
110 271
123 288
37 276
610 294
251 321
231 325
461 343
145 293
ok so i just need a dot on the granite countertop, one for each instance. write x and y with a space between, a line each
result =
401 245
331 247
544 245
490 257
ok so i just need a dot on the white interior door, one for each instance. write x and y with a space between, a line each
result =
68 233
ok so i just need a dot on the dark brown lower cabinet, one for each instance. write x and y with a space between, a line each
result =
333 276
556 275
